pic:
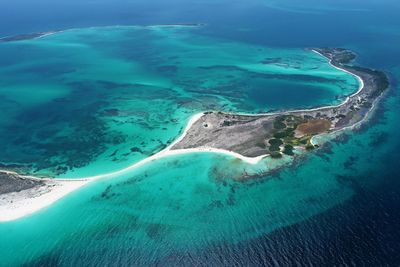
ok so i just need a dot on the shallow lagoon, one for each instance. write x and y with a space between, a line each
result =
89 101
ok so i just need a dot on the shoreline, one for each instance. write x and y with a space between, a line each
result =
23 206
65 186
360 88
14 205
272 134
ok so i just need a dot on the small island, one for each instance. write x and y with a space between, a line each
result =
36 35
280 133
27 36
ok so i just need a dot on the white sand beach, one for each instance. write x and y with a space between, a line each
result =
16 205
20 204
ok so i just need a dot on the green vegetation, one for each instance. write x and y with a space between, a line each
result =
275 144
286 136
279 123
310 147
285 133
298 141
288 150
274 149
276 155
280 135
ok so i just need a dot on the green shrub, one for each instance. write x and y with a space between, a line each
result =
276 155
288 150
280 135
279 125
288 132
274 149
275 142
310 147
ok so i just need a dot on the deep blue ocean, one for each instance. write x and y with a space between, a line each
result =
362 231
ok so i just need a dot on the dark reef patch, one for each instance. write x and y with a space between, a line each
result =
154 231
51 259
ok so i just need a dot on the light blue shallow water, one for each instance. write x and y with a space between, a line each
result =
337 206
89 101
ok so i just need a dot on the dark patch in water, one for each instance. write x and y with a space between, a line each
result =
136 149
154 231
49 70
168 68
112 85
51 259
379 139
216 204
40 131
231 196
348 164
272 60
114 153
111 112
107 194
323 156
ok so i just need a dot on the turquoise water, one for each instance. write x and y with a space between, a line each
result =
171 206
137 84
112 96
90 101
183 204
336 206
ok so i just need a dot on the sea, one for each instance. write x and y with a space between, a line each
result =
119 80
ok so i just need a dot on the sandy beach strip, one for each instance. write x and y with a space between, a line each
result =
16 205
174 152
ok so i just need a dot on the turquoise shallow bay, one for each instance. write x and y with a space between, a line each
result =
89 101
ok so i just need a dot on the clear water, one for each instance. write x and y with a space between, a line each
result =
94 100
337 206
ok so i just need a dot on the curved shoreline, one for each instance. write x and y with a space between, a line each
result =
66 186
360 88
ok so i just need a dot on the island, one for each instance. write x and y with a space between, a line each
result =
27 36
280 133
245 136
36 35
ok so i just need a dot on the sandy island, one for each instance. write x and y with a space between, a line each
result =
247 137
